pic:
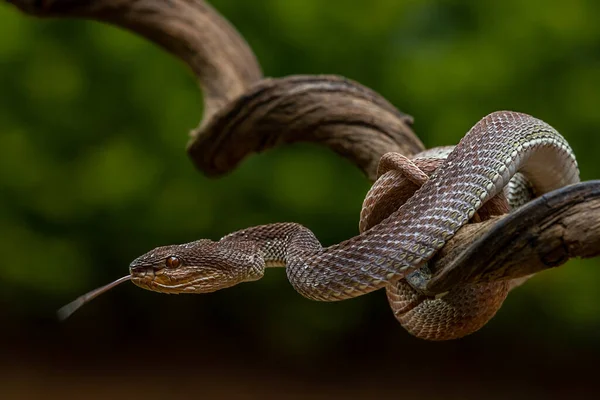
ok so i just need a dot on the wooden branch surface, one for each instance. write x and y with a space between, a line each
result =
542 234
245 113
352 120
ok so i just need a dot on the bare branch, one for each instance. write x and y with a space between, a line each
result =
350 119
542 234
245 113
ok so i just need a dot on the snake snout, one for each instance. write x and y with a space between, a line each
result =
143 276
135 270
141 271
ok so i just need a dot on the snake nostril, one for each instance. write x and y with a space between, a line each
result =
137 270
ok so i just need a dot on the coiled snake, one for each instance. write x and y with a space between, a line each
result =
411 211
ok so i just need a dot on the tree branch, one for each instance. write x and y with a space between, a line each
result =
350 119
245 113
542 234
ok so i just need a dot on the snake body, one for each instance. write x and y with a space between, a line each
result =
397 238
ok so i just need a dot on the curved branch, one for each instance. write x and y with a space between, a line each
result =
542 234
244 114
352 120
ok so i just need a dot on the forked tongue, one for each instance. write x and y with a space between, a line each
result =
66 311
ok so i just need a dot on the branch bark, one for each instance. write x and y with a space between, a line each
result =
542 234
352 120
245 113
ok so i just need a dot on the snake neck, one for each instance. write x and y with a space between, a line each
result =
276 244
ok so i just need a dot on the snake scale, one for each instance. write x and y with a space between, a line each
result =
412 210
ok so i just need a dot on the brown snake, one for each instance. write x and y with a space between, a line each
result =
412 210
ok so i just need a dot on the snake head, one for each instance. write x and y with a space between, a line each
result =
202 266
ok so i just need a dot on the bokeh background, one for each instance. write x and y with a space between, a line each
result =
93 173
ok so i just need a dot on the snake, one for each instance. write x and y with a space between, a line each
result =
415 206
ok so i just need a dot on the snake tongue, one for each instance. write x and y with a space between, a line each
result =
66 311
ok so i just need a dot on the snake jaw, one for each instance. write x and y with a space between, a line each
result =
195 280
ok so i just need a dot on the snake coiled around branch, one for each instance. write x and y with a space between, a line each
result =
420 200
476 171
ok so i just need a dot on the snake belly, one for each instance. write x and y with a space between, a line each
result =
383 255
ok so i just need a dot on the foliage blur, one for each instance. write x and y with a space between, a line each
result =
93 173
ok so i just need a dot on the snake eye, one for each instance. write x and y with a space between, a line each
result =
172 262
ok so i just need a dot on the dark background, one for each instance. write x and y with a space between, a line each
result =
93 173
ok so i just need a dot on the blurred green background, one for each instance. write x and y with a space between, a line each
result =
93 172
